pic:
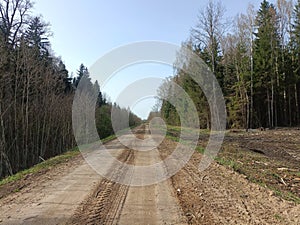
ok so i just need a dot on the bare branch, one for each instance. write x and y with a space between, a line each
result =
13 17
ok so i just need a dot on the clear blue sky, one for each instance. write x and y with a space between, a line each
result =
84 30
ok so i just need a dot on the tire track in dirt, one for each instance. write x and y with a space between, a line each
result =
106 202
55 201
151 204
115 203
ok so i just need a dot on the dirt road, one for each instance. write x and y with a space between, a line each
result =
81 196
76 194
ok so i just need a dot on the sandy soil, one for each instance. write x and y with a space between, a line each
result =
81 196
222 196
115 203
75 194
50 201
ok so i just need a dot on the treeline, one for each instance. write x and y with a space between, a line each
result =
256 60
36 92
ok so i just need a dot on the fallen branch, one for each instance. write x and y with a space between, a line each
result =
282 181
40 157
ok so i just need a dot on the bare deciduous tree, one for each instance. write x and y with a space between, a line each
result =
210 28
285 11
13 16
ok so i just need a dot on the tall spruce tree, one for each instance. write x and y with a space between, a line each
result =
37 35
293 83
265 64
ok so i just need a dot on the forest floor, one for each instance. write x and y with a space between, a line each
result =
254 180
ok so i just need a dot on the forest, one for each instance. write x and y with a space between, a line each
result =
36 92
256 60
254 56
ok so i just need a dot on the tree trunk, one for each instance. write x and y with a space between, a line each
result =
269 108
296 105
272 105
